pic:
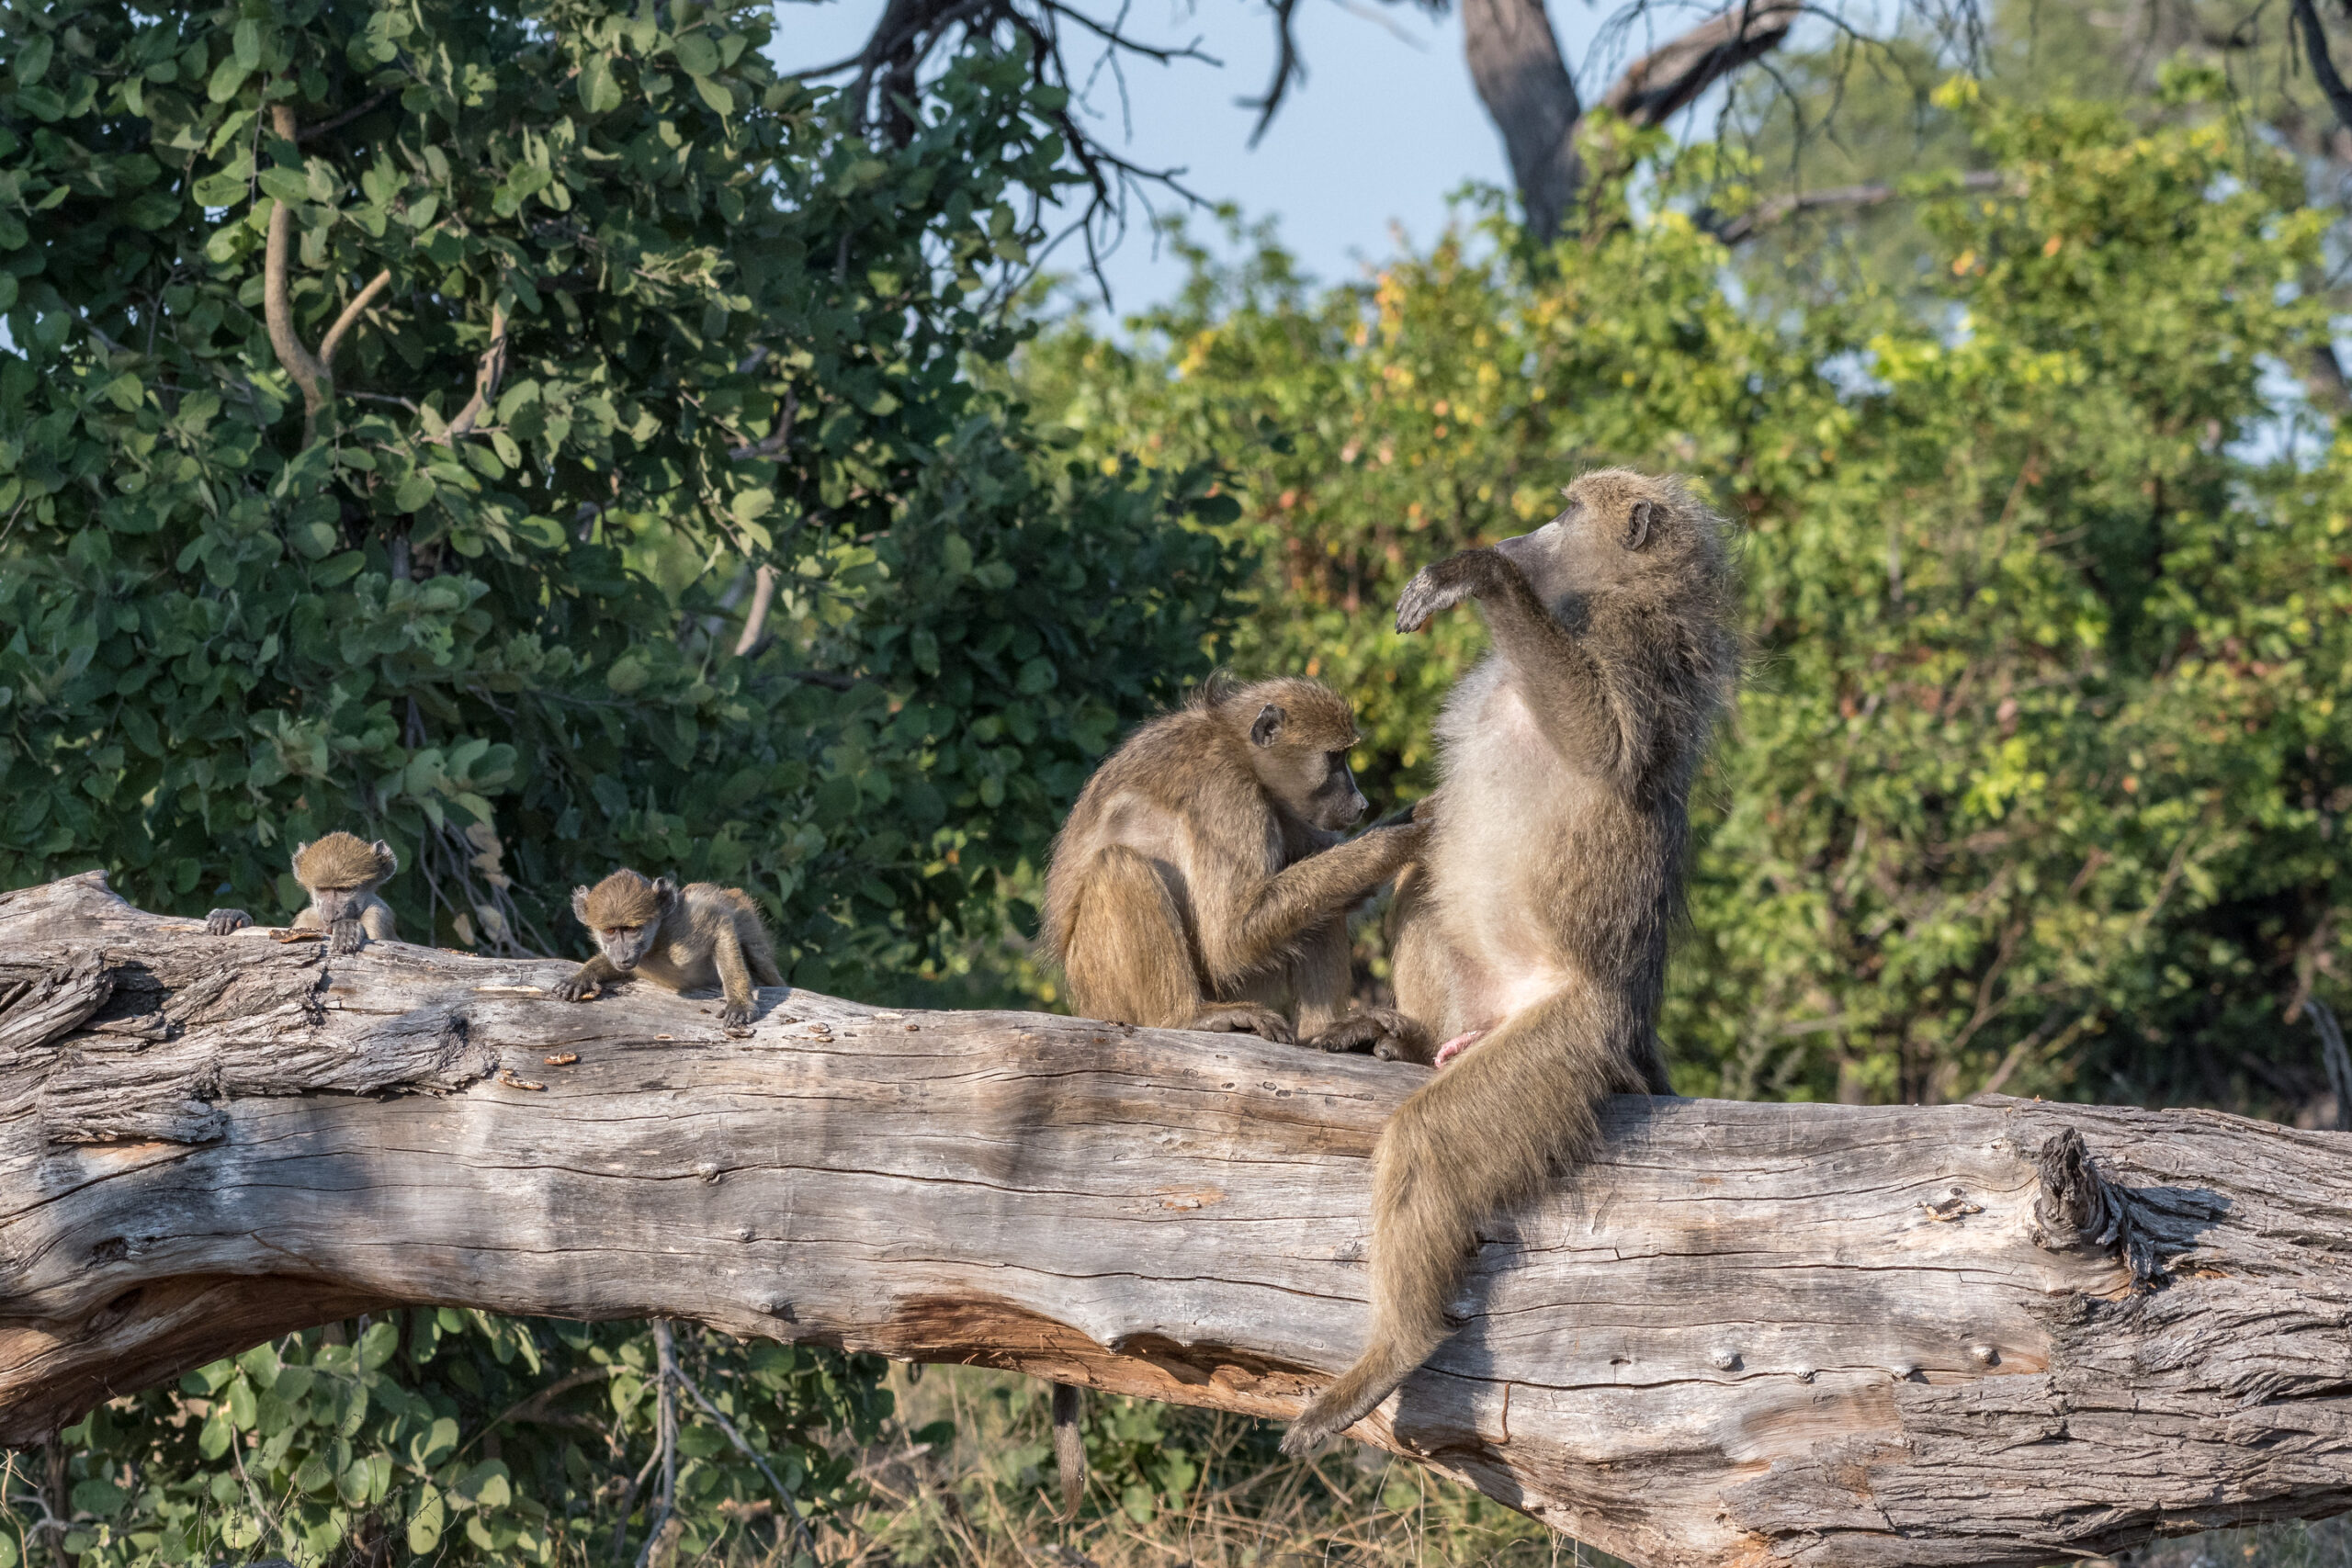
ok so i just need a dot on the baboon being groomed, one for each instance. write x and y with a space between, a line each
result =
1532 930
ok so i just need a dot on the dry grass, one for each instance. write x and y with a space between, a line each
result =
1195 1489
1184 1489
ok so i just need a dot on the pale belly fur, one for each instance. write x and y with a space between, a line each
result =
1507 802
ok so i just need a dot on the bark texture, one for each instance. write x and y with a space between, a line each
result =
1746 1334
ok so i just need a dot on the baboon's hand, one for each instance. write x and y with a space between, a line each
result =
579 988
345 936
736 1018
1441 585
220 922
1425 811
1245 1018
1385 1033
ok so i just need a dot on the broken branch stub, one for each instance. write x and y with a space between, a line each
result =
1801 1334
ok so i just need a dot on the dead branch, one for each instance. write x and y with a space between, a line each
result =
1829 1335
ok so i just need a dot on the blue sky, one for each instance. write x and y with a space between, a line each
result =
1386 125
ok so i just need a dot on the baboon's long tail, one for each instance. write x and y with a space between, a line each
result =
1471 1142
1069 1446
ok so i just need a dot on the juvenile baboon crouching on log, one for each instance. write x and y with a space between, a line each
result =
678 938
341 873
1201 883
1533 929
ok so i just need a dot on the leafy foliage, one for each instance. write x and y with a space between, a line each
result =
377 1450
2039 781
439 518
710 327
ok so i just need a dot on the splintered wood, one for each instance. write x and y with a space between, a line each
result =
1826 1335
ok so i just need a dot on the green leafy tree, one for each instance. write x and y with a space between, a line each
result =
2038 781
540 436
402 399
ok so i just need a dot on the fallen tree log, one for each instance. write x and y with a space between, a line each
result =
1826 1335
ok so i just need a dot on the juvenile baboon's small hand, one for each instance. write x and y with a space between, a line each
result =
1441 585
220 922
345 936
1425 811
736 1018
579 988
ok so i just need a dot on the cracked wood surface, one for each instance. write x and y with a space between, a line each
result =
1752 1334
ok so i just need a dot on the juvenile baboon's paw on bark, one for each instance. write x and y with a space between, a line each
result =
579 988
736 1018
220 922
345 937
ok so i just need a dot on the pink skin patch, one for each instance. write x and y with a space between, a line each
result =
1455 1046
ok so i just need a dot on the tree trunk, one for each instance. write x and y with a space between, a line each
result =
1515 65
1986 1334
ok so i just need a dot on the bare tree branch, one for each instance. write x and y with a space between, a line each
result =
2329 80
1668 77
314 373
1769 1335
487 374
1781 209
755 621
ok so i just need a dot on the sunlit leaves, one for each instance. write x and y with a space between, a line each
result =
2037 777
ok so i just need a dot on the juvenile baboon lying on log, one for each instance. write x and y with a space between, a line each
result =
341 873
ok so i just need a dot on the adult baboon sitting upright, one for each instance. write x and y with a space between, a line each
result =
1532 928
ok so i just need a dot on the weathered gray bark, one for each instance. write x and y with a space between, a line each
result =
1746 1333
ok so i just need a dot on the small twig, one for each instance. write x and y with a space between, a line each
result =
1782 207
774 442
313 373
345 118
755 621
350 317
736 1438
237 1463
487 374
532 1406
2338 1061
665 1420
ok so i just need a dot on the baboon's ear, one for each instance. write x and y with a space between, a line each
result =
1637 524
387 863
302 848
665 893
580 904
1267 725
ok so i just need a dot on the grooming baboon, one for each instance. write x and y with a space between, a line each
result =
1537 916
341 873
1200 882
678 938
